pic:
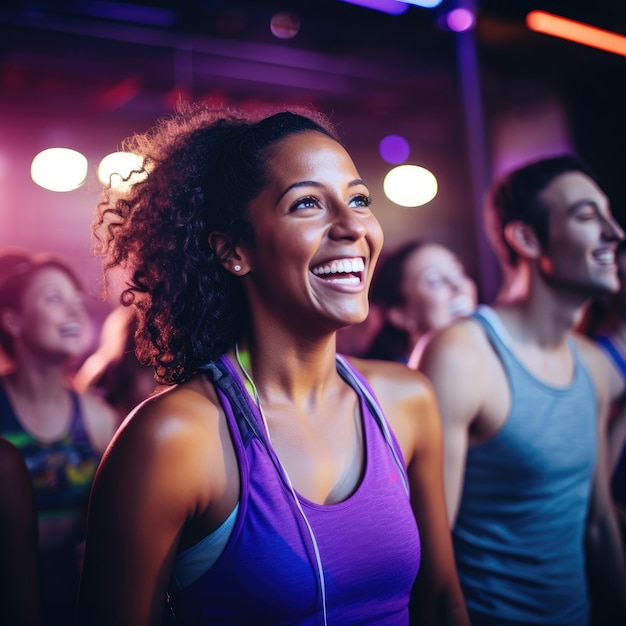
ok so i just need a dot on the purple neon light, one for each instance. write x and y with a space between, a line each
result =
425 4
460 20
393 7
394 149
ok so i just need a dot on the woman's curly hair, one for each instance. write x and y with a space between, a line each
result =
201 168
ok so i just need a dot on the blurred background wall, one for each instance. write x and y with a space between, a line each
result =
471 104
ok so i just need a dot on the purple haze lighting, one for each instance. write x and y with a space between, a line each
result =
393 7
394 149
460 20
425 4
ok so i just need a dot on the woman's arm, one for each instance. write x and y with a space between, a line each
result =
154 477
409 404
437 597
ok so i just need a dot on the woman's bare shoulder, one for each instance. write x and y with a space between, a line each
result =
170 442
184 410
393 382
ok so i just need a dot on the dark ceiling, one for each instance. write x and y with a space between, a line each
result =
129 54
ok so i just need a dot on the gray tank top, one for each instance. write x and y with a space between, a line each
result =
519 534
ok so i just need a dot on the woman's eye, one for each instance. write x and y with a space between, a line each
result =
305 203
362 200
435 282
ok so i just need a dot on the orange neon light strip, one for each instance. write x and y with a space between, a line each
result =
549 24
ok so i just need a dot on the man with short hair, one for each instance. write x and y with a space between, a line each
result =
524 400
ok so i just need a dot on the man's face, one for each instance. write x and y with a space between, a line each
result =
582 236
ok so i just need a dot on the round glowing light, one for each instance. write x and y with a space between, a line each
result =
410 185
460 20
394 149
59 169
120 170
285 25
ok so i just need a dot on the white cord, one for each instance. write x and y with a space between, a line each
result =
318 557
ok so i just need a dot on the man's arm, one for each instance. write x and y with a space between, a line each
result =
452 363
605 551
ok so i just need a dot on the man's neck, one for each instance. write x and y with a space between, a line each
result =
540 316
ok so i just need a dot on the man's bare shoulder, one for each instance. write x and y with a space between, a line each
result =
463 344
608 380
586 346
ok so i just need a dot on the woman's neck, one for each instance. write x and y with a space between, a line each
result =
289 372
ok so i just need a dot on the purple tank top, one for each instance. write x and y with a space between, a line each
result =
268 573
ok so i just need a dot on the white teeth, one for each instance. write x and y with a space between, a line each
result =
606 256
346 280
340 266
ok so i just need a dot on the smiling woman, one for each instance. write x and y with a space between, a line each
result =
61 435
419 288
274 482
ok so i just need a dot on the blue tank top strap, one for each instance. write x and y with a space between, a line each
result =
77 427
492 324
499 336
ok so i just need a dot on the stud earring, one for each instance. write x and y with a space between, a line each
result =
237 267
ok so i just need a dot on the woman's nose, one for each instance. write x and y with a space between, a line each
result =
346 224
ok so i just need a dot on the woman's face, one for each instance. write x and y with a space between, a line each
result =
316 239
436 288
53 319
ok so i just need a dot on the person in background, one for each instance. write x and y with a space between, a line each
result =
605 322
61 434
113 370
19 588
524 403
273 482
421 286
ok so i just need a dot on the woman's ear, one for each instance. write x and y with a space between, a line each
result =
398 317
231 256
10 322
523 239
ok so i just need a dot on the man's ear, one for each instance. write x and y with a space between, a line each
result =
232 256
523 239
